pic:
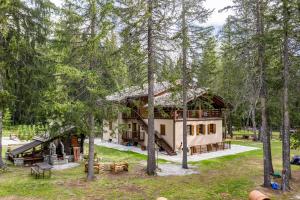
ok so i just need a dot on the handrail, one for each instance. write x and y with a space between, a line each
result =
145 124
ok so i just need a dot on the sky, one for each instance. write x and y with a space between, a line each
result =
217 19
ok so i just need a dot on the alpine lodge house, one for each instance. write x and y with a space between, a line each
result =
204 119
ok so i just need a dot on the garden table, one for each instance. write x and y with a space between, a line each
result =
44 167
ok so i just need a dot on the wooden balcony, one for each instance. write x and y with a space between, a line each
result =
211 113
178 114
157 115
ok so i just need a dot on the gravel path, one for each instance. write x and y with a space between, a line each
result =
235 149
175 170
65 166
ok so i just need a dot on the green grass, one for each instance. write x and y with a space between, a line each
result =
275 134
230 177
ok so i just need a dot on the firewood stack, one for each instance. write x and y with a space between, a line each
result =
119 167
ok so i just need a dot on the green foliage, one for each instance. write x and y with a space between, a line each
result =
295 140
7 121
25 71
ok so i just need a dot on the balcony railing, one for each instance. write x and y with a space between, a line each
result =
157 115
178 114
211 113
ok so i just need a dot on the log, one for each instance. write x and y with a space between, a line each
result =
119 167
257 195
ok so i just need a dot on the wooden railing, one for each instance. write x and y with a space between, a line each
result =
199 113
157 115
178 114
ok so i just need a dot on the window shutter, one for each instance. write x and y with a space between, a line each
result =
198 129
203 129
215 127
192 131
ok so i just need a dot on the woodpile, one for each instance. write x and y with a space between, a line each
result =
114 167
97 168
119 167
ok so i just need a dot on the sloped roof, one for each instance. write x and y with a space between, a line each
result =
163 95
39 140
138 91
25 147
170 99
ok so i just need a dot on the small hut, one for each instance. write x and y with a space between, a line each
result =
61 147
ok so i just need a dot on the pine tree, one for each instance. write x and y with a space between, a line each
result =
189 17
85 65
24 31
146 31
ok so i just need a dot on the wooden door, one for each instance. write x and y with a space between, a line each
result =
134 130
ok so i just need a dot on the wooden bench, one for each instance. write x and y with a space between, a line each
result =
32 160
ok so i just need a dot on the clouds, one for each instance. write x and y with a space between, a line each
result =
217 19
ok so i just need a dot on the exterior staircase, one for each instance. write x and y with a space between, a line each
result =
158 140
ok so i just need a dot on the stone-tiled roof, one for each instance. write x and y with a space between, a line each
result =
164 97
138 91
170 99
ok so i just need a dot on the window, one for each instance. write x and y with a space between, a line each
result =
163 129
190 129
129 126
211 128
200 129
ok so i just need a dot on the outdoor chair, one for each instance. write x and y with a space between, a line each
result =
203 149
209 148
216 146
221 145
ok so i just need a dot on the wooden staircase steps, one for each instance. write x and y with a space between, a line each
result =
158 140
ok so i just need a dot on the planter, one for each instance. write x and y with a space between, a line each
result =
257 195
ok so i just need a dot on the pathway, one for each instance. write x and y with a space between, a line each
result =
235 149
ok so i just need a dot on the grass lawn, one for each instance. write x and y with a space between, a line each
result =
275 134
230 177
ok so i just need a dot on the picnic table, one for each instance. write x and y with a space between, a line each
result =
40 169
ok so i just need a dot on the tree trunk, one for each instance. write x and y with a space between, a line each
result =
263 93
225 122
90 175
151 163
286 171
184 86
91 120
253 114
229 125
269 131
1 127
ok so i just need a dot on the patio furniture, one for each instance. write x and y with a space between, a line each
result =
221 145
209 148
40 169
203 149
215 147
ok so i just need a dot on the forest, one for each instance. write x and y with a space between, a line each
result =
58 64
